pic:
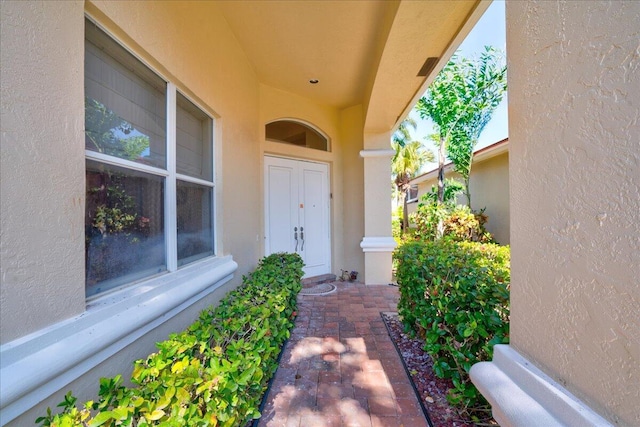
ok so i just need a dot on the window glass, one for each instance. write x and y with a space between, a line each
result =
194 140
130 207
124 226
125 103
194 221
289 132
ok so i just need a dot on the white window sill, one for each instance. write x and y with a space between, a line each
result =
521 395
35 366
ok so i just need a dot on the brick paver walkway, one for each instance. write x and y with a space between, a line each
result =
340 368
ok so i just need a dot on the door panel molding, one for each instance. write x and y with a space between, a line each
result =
297 211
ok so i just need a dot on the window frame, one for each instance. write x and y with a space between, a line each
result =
411 189
170 174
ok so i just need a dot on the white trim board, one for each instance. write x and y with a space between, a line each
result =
521 395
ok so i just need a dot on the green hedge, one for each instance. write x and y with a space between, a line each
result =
456 296
212 374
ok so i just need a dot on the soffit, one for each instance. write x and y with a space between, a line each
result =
290 42
362 52
421 29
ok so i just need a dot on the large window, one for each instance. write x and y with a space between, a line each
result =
149 172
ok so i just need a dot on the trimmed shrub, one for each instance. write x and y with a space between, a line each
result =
459 222
212 374
455 295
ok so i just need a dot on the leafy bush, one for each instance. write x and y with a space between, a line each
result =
459 223
452 189
456 296
212 374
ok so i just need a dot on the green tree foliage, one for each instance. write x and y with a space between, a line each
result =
108 133
460 102
409 158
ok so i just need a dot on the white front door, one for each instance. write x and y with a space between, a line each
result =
297 211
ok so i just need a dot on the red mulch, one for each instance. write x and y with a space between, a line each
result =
432 390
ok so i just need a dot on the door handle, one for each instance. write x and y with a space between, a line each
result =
302 238
295 236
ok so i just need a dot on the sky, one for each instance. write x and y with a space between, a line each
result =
489 31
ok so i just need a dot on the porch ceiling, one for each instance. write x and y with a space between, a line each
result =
362 52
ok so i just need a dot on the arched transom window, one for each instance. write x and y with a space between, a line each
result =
296 133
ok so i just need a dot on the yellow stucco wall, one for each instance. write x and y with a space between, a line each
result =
42 165
574 97
489 188
44 150
351 125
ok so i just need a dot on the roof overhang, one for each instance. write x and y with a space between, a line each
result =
361 52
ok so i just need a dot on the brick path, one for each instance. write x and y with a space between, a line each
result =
340 367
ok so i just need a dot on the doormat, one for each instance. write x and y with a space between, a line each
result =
319 289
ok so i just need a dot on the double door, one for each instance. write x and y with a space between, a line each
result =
297 211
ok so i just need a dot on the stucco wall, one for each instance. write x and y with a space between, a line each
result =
43 142
489 188
41 165
574 98
352 123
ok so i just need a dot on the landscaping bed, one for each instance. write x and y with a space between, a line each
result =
212 374
431 390
454 297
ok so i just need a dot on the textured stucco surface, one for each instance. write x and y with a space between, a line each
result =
489 188
353 206
41 165
574 108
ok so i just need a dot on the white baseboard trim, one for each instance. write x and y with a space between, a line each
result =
34 367
521 395
378 244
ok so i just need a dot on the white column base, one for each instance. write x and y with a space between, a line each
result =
378 259
378 244
522 395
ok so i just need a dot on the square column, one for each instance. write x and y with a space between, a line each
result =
378 243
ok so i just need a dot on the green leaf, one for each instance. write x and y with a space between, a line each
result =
100 419
155 415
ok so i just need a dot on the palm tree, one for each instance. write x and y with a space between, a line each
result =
409 158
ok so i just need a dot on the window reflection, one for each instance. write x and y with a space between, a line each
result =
124 226
110 134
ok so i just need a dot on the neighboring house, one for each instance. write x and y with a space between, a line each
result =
153 151
489 187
